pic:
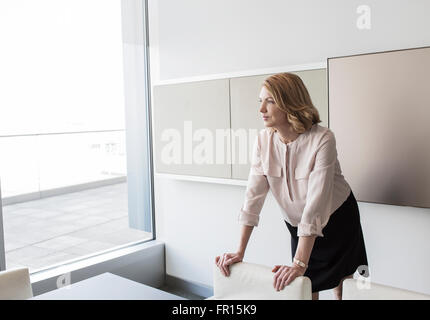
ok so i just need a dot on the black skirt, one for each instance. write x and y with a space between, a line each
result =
340 252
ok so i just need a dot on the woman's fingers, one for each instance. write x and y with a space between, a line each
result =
228 261
275 277
282 282
284 276
224 269
279 280
227 258
281 270
223 262
219 263
278 276
232 259
290 278
275 268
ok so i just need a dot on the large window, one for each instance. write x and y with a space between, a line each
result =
68 186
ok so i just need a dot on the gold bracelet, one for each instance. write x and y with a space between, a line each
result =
300 263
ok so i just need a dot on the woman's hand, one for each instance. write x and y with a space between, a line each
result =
227 259
285 275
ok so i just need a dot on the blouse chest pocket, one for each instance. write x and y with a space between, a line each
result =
273 171
301 176
301 172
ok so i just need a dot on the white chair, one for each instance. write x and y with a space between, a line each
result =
355 289
249 281
15 284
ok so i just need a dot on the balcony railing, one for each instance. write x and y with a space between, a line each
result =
31 164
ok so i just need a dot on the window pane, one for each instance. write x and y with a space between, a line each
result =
63 163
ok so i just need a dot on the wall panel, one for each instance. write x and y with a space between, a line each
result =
187 117
379 110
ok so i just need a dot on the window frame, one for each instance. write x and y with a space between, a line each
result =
138 138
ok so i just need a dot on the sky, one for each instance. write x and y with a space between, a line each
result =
61 66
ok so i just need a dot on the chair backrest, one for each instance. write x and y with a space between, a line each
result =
15 284
249 281
354 289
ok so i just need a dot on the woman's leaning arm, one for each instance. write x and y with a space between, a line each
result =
245 234
284 275
304 248
224 261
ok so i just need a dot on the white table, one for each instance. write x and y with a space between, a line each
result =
107 286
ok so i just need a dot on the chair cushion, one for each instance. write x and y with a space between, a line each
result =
249 281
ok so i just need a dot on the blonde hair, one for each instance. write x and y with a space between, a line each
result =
292 97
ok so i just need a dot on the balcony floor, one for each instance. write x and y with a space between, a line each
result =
48 231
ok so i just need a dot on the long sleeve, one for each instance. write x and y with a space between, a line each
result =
256 190
320 189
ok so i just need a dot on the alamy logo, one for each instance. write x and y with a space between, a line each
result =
201 146
363 21
64 281
363 281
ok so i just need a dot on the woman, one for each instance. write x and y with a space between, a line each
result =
296 159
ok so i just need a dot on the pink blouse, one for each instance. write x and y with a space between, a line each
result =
304 177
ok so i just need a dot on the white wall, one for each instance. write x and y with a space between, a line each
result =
195 39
